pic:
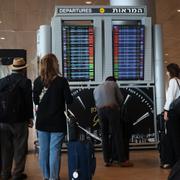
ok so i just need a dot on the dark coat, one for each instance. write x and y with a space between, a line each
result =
26 94
50 113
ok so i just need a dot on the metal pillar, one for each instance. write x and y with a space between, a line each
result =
44 40
159 68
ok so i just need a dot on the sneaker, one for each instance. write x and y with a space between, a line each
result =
6 177
107 164
126 164
165 166
20 177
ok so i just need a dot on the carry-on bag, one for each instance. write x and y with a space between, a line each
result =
175 172
81 155
164 146
81 160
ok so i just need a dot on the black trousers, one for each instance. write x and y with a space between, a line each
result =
173 129
111 125
14 142
0 158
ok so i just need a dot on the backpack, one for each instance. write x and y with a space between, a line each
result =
10 103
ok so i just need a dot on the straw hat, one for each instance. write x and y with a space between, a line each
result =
18 64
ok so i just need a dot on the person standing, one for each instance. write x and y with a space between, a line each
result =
4 69
51 92
108 100
14 130
171 118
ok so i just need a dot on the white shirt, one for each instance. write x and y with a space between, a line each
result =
4 71
172 92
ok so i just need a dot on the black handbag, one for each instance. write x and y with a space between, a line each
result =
175 172
175 105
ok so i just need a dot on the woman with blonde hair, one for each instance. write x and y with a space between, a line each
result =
51 92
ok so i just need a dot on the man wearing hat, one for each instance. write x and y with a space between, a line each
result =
14 132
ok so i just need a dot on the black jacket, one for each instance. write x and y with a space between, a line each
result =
26 94
50 113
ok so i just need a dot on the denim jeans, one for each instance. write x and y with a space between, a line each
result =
50 153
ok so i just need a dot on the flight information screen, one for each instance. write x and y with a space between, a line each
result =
78 52
128 52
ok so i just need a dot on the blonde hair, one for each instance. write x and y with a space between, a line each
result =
49 69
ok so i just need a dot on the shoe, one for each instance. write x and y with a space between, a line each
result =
6 177
107 164
165 166
20 177
126 164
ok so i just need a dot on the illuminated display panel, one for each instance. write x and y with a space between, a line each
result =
78 52
128 52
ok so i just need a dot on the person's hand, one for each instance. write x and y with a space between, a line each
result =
30 123
166 116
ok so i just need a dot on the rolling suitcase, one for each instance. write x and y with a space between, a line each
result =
81 160
81 155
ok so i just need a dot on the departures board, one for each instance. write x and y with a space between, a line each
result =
94 42
128 52
78 52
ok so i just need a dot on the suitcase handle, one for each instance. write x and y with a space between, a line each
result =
80 127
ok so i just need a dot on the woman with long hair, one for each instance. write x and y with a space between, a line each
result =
51 92
171 118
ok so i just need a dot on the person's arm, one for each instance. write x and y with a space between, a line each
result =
170 96
67 92
37 88
29 102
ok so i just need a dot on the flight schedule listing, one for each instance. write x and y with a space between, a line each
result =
78 52
128 52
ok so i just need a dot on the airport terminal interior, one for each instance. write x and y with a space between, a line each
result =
32 28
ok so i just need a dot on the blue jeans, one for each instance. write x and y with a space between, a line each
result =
50 153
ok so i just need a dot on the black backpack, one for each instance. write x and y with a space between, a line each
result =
10 102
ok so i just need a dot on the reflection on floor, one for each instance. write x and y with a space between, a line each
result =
146 167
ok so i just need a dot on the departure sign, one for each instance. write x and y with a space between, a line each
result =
128 52
78 52
86 10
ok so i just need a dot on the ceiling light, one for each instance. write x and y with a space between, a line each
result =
2 38
165 62
0 22
88 2
178 10
166 54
